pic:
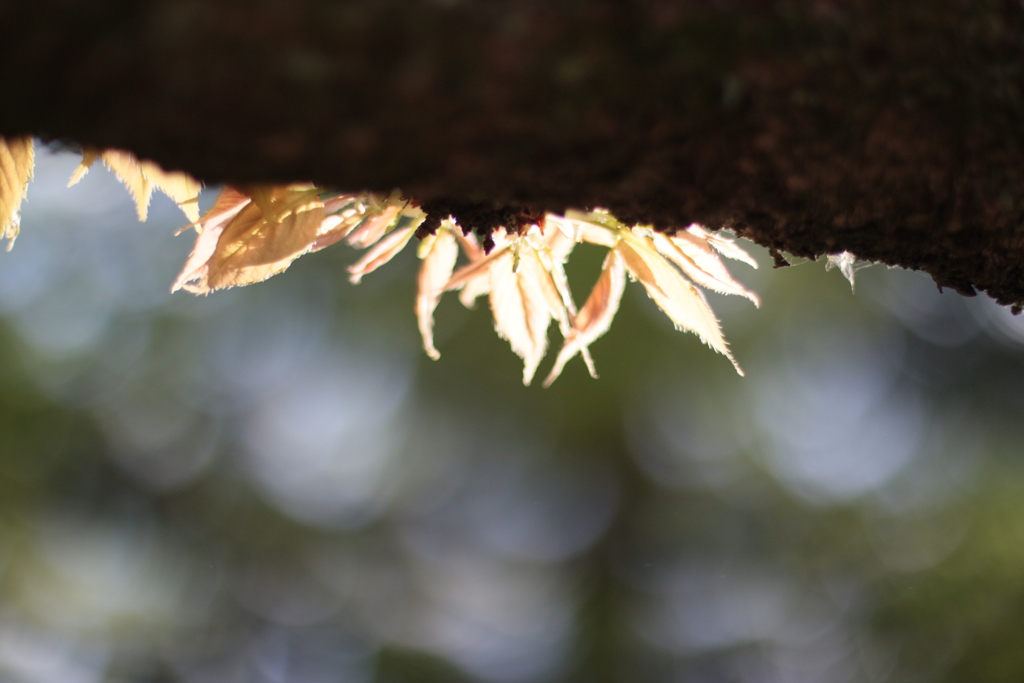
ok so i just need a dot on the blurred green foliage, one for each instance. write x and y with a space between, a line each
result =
275 484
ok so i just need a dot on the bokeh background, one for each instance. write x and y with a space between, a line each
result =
275 484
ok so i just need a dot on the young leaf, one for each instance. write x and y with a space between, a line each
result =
182 188
473 288
552 240
250 246
17 161
475 276
227 205
553 259
382 252
698 260
141 178
537 268
470 247
723 245
255 232
519 306
439 253
127 168
847 265
594 227
374 227
334 229
194 276
89 157
346 213
595 317
674 294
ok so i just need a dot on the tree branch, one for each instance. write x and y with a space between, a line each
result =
889 129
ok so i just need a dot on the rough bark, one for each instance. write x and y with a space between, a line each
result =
889 129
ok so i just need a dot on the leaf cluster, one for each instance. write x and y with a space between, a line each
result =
254 232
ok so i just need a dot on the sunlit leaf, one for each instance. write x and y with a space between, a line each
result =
227 205
553 260
381 253
595 227
847 265
520 309
89 157
475 276
470 247
439 253
725 246
127 168
182 188
334 229
250 246
141 178
595 318
674 294
374 227
254 232
263 197
472 288
345 212
555 241
701 263
17 161
535 267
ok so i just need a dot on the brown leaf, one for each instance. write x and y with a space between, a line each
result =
439 253
17 161
674 294
595 317
249 246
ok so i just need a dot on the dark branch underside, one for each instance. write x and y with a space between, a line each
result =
894 130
